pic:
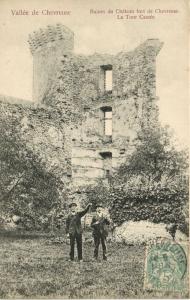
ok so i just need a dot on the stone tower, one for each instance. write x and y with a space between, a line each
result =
48 46
105 100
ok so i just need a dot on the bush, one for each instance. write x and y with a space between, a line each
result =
152 185
28 188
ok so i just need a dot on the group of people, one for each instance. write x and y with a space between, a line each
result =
99 225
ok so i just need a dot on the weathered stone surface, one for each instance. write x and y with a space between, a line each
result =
65 125
144 231
42 132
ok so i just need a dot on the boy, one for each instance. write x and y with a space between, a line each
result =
74 229
100 231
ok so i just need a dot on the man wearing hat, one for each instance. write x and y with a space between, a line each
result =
100 224
74 229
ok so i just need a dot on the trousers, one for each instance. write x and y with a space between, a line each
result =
78 238
97 240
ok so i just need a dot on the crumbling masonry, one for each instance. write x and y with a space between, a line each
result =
97 105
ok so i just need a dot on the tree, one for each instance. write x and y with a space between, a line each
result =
28 189
155 157
152 184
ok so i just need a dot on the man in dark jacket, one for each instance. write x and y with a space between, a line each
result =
74 229
100 224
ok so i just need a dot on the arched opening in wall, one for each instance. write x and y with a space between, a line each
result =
107 163
106 78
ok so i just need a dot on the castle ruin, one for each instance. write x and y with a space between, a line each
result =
97 103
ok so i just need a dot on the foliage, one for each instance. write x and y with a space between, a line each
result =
152 185
28 189
155 157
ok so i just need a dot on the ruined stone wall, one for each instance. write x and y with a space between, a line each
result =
48 47
67 126
89 141
41 131
133 102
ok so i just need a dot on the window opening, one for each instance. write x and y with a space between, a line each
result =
106 78
108 123
107 163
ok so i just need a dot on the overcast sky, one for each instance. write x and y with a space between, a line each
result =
103 33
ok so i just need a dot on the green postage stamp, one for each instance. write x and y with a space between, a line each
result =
166 266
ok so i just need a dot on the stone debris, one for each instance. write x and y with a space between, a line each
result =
142 232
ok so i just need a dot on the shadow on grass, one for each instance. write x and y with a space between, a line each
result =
23 234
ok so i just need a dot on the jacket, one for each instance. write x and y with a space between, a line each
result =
101 228
73 222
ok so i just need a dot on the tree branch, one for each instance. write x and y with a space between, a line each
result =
13 187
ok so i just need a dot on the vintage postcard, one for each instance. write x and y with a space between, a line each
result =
94 149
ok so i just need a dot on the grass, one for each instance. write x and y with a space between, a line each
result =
32 267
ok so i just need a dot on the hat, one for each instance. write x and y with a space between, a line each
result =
98 205
72 204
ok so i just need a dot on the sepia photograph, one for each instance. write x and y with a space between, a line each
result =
94 189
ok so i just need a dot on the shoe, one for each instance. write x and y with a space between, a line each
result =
80 261
105 258
95 258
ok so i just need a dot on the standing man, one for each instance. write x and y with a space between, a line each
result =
100 224
74 229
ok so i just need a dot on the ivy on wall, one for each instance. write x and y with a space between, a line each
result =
152 185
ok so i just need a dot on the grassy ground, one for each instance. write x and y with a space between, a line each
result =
32 267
